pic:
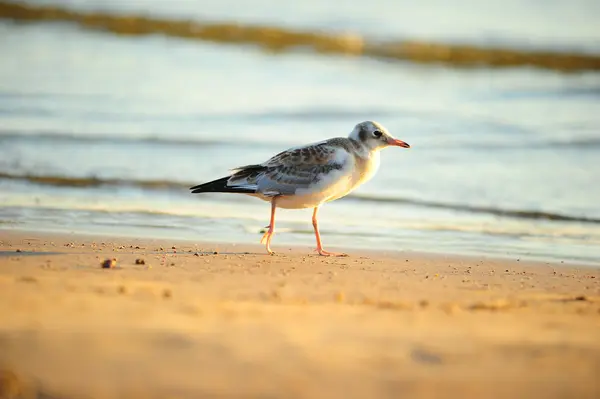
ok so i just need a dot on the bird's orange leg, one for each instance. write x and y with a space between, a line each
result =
320 249
266 238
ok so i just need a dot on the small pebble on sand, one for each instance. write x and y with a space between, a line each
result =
109 264
140 262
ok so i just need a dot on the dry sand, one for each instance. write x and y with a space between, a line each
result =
190 323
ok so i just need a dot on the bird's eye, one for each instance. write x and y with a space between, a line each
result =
377 134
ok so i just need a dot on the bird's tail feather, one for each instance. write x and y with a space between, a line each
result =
220 186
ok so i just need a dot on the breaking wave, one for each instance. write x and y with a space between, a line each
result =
521 214
91 182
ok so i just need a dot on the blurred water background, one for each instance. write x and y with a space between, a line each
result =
103 127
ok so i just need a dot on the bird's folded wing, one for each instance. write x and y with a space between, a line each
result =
308 168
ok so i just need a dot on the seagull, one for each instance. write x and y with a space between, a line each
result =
309 176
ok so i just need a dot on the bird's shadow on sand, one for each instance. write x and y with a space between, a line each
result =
262 254
213 253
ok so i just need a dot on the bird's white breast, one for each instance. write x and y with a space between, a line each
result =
366 168
363 170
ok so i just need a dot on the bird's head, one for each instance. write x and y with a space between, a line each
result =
374 136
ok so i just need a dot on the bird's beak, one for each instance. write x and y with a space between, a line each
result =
398 143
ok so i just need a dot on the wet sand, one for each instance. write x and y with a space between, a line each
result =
198 320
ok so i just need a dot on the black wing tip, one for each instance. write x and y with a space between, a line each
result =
220 186
198 188
211 186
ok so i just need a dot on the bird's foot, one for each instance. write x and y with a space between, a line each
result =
266 239
322 252
266 236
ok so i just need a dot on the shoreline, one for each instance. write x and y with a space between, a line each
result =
190 323
307 248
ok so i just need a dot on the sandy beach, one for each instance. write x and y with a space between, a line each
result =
474 256
199 320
